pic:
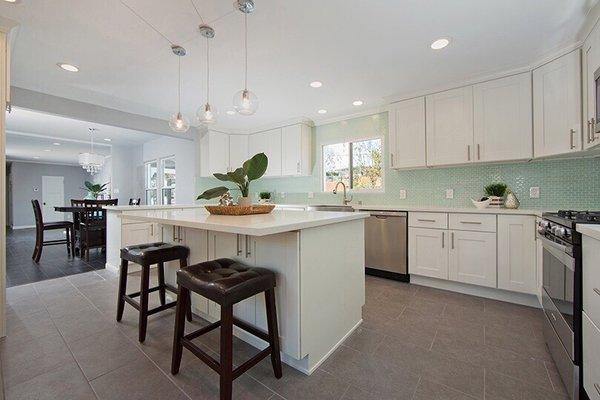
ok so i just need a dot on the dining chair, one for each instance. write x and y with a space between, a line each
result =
41 227
92 226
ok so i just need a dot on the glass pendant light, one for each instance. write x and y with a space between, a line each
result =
245 102
178 122
207 114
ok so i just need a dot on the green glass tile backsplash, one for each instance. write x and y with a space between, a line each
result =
573 183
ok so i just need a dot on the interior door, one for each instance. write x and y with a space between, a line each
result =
53 194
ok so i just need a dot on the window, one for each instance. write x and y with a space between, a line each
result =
160 181
358 164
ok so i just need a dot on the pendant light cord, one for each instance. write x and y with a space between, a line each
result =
144 20
246 51
179 86
207 71
197 12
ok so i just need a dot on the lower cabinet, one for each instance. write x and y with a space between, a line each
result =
591 358
472 258
428 252
139 233
517 254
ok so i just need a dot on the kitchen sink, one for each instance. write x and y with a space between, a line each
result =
330 207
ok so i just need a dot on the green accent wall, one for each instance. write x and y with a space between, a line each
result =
572 183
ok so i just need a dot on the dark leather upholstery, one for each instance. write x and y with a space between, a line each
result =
154 253
225 281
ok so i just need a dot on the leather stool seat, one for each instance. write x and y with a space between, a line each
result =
226 281
153 253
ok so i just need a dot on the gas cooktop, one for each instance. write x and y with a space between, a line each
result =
571 218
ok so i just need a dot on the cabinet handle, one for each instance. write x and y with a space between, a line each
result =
151 229
239 248
392 154
248 249
478 151
470 222
597 291
572 138
443 237
174 238
298 167
597 387
594 137
452 239
425 220
468 152
589 130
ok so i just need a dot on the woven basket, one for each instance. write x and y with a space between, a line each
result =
241 210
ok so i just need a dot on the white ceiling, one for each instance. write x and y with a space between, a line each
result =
367 50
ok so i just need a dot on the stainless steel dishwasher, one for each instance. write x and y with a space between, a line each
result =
386 240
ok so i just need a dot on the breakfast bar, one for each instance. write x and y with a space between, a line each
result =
319 293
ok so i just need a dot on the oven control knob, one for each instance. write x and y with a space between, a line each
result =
561 232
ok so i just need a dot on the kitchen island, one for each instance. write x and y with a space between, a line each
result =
318 258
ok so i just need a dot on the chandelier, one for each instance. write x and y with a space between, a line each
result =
91 162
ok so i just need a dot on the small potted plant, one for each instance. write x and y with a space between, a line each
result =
93 189
495 192
264 197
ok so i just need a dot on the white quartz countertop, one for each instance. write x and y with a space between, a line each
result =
590 230
278 221
155 207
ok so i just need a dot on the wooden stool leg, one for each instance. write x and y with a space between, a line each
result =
144 285
273 332
161 283
180 312
122 289
68 233
226 350
183 264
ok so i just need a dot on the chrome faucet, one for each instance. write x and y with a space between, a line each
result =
346 200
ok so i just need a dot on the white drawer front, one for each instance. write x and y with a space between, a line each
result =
591 278
428 220
591 358
472 222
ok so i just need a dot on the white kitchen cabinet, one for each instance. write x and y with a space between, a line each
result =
449 127
539 262
517 253
591 358
472 258
428 252
557 106
407 146
590 63
214 153
296 150
268 142
139 233
502 118
238 151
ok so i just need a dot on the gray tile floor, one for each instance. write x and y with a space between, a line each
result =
415 343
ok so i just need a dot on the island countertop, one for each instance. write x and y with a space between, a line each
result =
278 221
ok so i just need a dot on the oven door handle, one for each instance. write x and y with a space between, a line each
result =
558 251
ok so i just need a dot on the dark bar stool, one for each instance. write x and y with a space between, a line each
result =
147 255
226 282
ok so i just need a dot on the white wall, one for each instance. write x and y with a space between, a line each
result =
185 162
123 170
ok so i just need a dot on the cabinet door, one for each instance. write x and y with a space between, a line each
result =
268 142
591 62
449 126
502 119
428 252
295 150
516 253
197 241
214 153
473 258
137 233
407 133
557 106
238 151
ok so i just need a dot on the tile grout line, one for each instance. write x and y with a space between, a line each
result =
549 377
414 393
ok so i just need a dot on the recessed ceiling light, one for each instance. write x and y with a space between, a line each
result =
440 43
316 84
230 112
36 157
56 144
47 150
357 103
11 1
107 139
322 111
68 67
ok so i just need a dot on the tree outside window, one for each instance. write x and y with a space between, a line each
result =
358 164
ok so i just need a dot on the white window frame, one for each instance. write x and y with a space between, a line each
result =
162 178
147 187
159 179
354 140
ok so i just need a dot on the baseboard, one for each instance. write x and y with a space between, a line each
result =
530 300
22 226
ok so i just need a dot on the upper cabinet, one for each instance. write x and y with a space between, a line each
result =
557 106
268 142
406 121
214 153
296 150
238 151
590 64
449 127
502 119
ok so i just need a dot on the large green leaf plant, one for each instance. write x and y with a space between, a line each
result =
251 170
94 189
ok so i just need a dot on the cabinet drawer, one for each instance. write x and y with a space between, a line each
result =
428 220
591 358
472 222
591 279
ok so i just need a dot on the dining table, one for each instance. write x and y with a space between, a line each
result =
76 211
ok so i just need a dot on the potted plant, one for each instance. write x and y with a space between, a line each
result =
495 192
264 197
251 170
93 189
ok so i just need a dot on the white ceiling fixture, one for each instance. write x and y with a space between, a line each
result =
178 122
440 43
11 1
36 157
47 150
91 162
56 144
230 112
107 139
68 67
322 111
245 102
316 84
207 114
357 103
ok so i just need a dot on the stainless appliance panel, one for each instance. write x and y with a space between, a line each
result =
569 372
560 325
386 241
